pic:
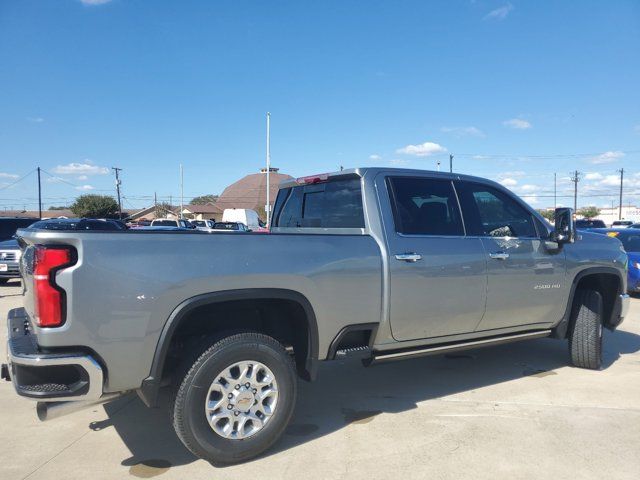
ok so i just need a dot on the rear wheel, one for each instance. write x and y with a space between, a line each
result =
236 399
585 338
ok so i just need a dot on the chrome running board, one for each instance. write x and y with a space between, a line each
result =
380 357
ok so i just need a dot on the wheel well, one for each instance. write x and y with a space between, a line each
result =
608 285
283 319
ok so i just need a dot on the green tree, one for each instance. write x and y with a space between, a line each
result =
589 212
548 214
204 199
95 206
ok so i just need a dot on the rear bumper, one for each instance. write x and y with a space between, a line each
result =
48 376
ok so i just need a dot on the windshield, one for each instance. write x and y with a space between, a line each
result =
226 226
630 242
165 223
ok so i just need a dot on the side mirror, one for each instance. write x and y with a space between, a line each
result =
565 231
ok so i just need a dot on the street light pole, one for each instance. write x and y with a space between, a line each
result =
39 196
268 205
181 190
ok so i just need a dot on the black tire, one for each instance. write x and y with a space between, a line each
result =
3 281
189 419
585 338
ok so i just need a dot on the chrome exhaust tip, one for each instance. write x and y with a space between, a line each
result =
50 410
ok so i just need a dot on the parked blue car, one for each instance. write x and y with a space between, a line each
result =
630 238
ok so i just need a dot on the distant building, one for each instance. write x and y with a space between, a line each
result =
202 212
609 215
251 191
46 213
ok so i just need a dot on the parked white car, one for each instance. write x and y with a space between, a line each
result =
205 225
242 215
171 222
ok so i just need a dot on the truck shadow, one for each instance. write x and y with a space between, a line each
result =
346 393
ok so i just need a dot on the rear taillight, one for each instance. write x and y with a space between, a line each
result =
49 297
323 177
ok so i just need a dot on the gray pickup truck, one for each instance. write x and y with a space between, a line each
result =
386 263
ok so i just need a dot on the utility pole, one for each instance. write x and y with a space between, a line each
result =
620 206
39 196
450 163
555 191
155 204
575 179
181 190
117 172
267 207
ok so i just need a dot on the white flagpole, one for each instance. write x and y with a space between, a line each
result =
268 205
181 191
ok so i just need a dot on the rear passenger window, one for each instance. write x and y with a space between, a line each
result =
491 212
334 204
425 206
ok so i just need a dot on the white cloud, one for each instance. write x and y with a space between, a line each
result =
35 119
54 180
94 2
607 157
464 131
593 176
84 187
80 169
8 175
517 123
83 177
528 188
499 13
375 157
610 181
422 150
509 182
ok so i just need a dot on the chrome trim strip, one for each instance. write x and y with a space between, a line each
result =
625 304
458 346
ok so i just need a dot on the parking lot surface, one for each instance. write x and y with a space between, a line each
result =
513 411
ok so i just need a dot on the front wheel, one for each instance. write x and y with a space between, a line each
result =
236 399
585 338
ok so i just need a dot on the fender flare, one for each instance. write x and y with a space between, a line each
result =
151 385
560 331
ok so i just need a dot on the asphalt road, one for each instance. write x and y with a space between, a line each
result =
513 411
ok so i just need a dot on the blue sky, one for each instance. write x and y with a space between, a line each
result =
515 90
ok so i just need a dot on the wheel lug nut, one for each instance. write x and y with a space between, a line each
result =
236 413
247 384
230 395
255 391
237 387
230 407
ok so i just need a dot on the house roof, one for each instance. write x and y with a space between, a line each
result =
251 191
207 208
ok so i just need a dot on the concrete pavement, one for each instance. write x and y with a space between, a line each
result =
513 411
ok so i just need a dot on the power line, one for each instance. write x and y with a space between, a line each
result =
18 180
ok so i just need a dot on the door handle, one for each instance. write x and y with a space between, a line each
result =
499 255
409 257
